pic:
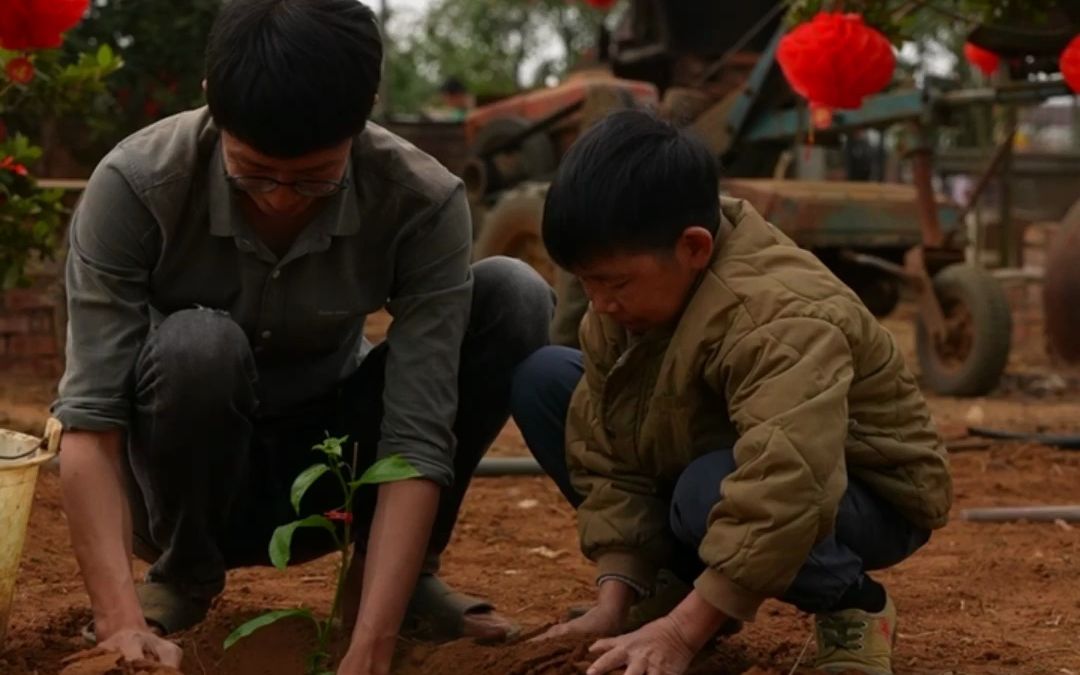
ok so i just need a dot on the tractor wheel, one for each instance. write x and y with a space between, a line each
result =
971 357
512 228
880 294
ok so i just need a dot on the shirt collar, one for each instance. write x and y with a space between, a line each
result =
339 217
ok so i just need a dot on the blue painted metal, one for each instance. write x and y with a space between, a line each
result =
754 84
876 111
898 106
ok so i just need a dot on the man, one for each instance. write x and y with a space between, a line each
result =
222 264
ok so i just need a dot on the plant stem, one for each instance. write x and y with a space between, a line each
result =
326 628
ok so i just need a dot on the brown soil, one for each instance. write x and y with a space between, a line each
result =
563 656
99 662
978 598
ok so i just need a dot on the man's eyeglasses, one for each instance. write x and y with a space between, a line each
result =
261 185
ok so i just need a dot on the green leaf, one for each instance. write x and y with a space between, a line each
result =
281 541
262 621
303 482
331 446
105 56
387 470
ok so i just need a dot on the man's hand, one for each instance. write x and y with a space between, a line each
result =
656 649
137 644
608 617
400 529
368 655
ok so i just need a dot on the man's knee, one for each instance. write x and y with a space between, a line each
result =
695 494
513 299
201 350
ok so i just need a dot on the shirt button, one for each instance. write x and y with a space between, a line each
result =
266 334
275 274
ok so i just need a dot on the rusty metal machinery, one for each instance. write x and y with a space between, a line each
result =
1061 289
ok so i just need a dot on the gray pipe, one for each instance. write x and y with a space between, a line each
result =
508 466
1035 514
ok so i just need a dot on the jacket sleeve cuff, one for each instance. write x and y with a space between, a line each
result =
727 596
627 566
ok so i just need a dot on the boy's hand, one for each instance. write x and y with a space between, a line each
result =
598 621
607 618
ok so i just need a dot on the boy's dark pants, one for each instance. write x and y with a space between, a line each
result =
869 534
210 476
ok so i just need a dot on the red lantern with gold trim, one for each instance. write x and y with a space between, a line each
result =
38 24
983 59
1070 64
835 60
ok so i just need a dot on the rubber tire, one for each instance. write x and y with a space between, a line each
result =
992 323
536 153
516 215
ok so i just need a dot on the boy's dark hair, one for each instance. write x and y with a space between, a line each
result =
631 183
289 77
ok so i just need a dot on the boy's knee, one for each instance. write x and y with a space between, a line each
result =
547 377
695 494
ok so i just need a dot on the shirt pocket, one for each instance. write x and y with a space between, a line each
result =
325 330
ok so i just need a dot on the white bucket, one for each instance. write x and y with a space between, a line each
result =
20 457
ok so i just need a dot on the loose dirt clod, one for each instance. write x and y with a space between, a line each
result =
566 656
99 662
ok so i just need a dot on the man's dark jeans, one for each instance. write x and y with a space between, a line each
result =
211 475
869 533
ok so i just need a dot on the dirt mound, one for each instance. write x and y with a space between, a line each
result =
561 656
567 656
99 662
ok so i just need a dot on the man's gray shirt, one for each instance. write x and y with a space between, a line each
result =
159 230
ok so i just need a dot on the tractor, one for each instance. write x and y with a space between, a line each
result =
711 66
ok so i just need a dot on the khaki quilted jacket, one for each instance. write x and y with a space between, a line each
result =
776 358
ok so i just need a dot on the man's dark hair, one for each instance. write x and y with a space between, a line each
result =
632 183
289 77
453 86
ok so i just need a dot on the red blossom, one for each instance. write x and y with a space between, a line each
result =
20 70
343 516
151 109
9 164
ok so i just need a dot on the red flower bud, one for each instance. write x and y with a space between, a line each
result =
343 516
9 164
20 70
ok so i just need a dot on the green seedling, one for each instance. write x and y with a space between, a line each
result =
386 470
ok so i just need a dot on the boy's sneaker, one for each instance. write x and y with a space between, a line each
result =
854 640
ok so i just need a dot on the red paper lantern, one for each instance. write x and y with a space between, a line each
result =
983 59
37 24
1070 64
835 60
604 5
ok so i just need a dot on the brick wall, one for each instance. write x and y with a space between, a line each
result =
31 326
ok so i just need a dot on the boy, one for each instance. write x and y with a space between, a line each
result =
222 265
735 415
